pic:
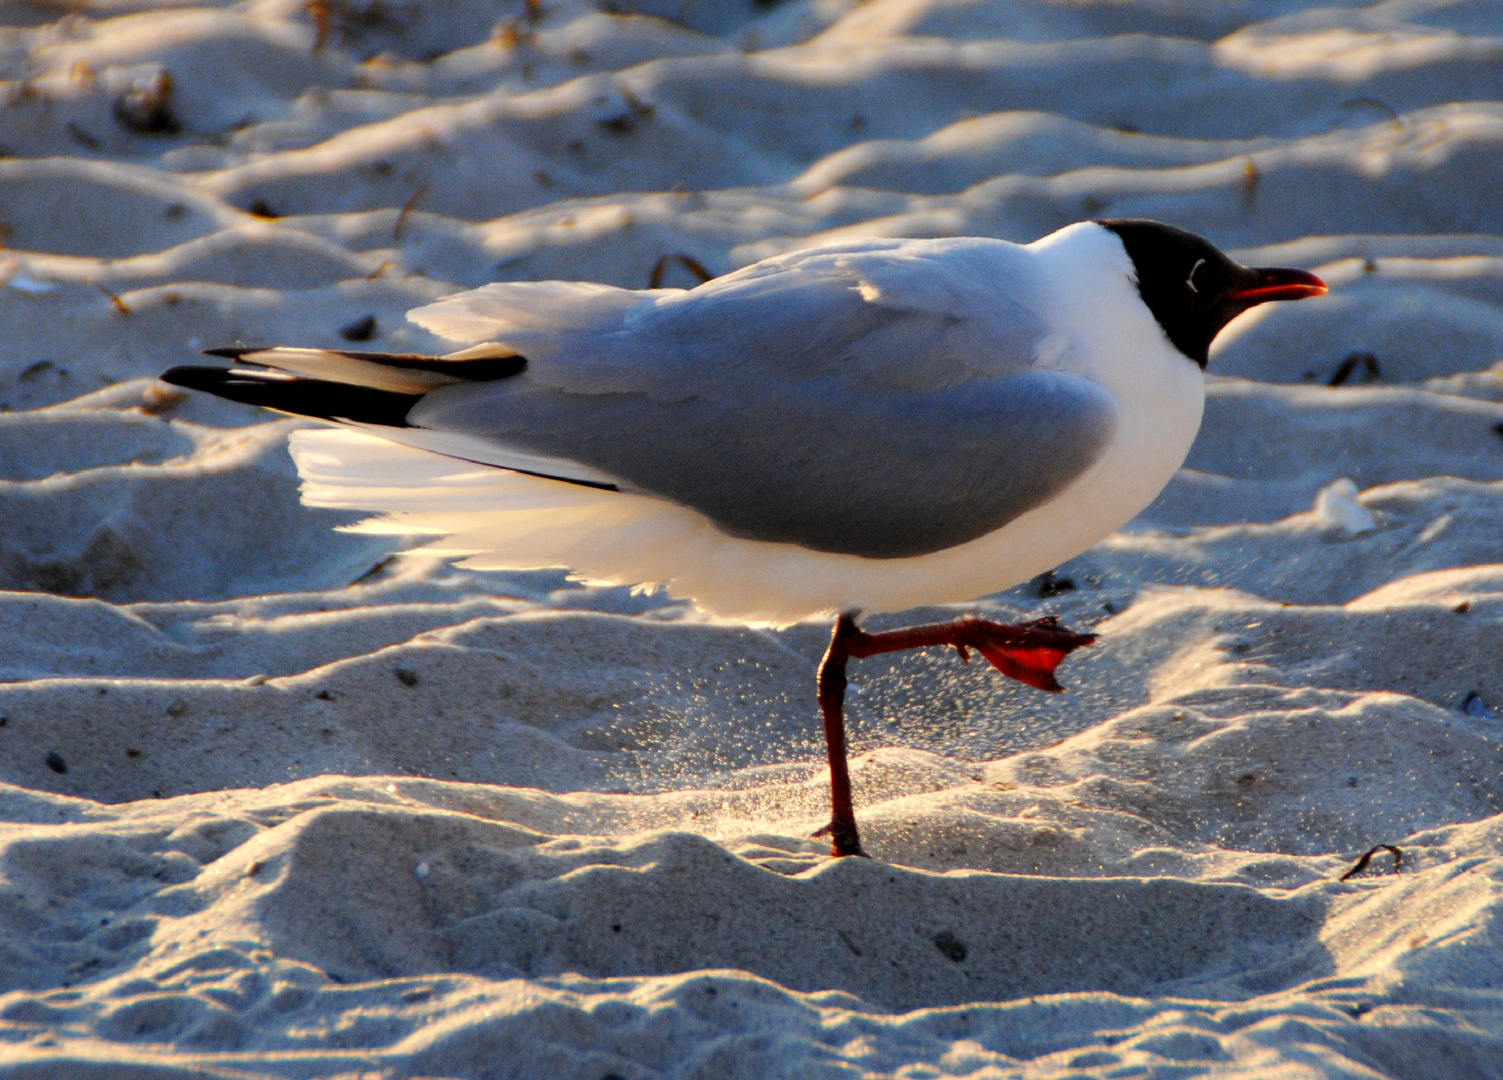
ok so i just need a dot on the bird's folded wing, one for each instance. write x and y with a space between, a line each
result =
817 463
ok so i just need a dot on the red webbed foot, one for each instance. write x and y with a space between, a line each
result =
1028 652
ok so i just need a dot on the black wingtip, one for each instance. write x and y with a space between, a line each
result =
194 378
315 398
481 369
319 399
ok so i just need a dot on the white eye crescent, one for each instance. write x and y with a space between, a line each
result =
1190 280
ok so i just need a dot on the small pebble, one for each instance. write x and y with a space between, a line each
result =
362 329
146 108
951 947
1336 505
1049 584
1474 706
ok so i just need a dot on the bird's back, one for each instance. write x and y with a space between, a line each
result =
881 400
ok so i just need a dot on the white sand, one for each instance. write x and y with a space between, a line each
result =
276 803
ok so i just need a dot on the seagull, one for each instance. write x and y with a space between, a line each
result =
860 426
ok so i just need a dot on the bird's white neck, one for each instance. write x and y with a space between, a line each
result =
1108 335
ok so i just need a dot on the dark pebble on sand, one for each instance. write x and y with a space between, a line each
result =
146 107
1474 706
1048 585
950 946
362 329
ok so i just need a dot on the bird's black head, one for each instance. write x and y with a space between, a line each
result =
1193 289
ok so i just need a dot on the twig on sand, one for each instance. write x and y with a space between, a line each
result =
1369 363
1367 857
1374 103
407 207
120 305
319 12
688 262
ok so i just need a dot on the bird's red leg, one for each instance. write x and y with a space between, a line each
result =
844 840
1028 652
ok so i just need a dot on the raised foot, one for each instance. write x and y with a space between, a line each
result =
1028 652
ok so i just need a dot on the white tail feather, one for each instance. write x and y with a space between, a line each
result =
493 519
477 450
499 520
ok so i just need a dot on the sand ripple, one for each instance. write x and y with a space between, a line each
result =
279 801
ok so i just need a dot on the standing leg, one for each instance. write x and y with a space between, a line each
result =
844 840
1028 652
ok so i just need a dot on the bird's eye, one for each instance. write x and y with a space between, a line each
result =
1190 278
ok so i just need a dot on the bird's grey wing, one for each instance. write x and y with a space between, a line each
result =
817 463
894 315
889 316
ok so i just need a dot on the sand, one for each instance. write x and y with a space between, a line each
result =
282 801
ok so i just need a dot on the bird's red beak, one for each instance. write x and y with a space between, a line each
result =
1276 283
